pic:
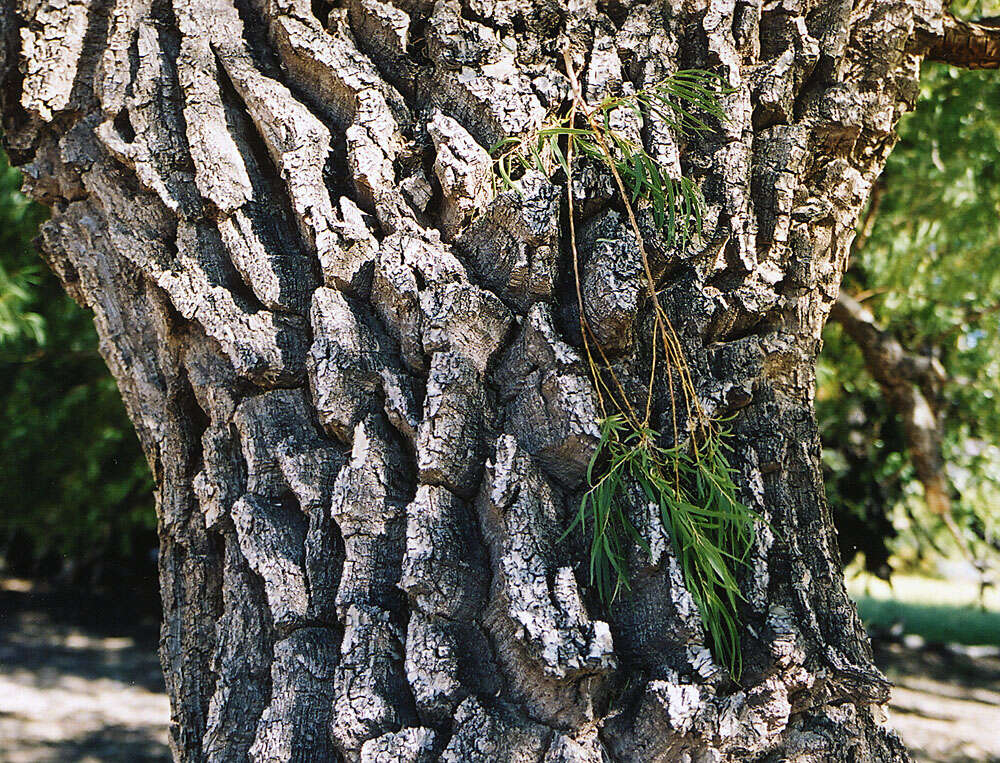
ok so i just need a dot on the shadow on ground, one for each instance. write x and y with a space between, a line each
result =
80 682
111 743
79 678
946 701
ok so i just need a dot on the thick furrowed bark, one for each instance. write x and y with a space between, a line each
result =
356 375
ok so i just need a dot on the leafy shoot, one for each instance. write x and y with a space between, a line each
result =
691 487
690 483
683 101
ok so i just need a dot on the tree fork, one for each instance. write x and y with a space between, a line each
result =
355 374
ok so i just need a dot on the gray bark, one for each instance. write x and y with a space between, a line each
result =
357 380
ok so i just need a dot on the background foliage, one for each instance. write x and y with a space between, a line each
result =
930 273
76 491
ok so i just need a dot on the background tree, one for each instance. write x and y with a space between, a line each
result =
361 484
927 265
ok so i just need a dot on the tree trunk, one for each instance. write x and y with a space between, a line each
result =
356 370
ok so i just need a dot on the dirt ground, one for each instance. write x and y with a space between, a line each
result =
80 682
79 679
946 703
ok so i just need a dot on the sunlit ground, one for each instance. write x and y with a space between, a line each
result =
938 641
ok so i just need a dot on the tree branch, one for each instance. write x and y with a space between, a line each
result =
970 317
910 382
969 44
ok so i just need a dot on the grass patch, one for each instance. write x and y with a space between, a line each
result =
940 611
935 623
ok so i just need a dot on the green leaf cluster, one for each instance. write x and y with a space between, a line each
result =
20 271
686 101
691 488
689 483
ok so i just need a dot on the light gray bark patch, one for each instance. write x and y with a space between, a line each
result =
547 644
447 656
215 383
287 455
492 101
775 179
297 141
372 696
383 32
513 246
414 744
584 749
341 82
284 449
261 345
281 279
469 321
443 570
261 236
373 143
353 369
463 169
655 621
330 69
406 265
693 715
157 123
604 70
220 174
696 716
112 74
454 42
450 441
369 506
792 53
476 80
549 403
342 375
487 734
274 546
52 46
417 190
295 726
433 649
310 475
214 484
